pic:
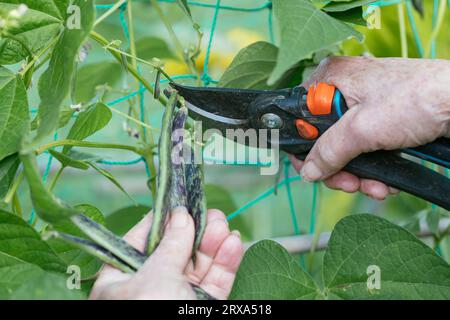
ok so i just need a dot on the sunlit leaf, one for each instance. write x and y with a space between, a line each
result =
89 122
14 117
304 29
36 28
251 67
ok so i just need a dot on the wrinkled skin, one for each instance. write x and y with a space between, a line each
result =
169 270
394 103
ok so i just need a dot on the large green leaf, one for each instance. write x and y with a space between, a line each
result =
88 264
34 29
13 273
304 30
124 219
268 271
90 76
359 245
409 268
89 122
19 240
14 117
54 8
55 82
48 286
8 168
251 67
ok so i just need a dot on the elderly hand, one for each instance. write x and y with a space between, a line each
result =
393 103
169 270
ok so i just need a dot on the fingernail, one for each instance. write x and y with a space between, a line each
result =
310 172
180 218
236 233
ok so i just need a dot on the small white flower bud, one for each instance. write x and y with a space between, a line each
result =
76 107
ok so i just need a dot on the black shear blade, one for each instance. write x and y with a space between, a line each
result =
224 102
212 120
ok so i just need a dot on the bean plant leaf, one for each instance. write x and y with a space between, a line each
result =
90 76
65 114
8 168
354 15
13 273
124 219
268 271
55 82
304 30
409 269
71 255
54 8
67 161
345 5
184 5
251 67
148 48
19 240
35 29
14 117
359 247
89 122
48 286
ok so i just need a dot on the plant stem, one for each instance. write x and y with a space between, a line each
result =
100 39
169 28
108 47
173 36
88 144
123 114
37 56
131 33
440 19
110 11
12 191
16 205
56 178
402 27
147 135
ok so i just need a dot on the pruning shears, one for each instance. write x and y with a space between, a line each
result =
302 116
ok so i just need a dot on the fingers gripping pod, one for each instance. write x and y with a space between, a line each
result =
387 166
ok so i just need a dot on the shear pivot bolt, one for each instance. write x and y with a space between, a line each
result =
271 121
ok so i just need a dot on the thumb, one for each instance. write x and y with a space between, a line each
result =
342 142
175 249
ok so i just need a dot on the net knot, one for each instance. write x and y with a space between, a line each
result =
206 79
